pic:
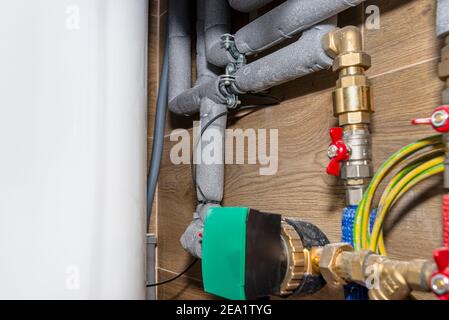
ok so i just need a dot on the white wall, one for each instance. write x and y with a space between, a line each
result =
72 148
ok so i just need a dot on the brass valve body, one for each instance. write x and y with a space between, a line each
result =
385 278
353 97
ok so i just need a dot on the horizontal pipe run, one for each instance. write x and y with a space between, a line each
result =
285 21
248 5
303 57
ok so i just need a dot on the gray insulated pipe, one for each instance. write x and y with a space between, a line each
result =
217 23
204 70
179 47
286 20
209 172
442 18
302 57
248 5
188 102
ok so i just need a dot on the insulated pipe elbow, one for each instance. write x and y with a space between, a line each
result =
286 20
248 5
303 57
442 18
179 47
188 102
216 24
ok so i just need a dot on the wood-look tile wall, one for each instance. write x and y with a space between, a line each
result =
405 54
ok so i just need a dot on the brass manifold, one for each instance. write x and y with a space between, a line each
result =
353 97
385 278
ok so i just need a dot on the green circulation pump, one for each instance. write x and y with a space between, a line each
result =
241 253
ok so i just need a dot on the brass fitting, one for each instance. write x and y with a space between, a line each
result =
353 98
330 267
300 261
385 278
296 260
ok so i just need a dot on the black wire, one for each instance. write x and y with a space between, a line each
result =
209 123
174 278
193 166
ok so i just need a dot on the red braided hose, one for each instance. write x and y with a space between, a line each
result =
446 220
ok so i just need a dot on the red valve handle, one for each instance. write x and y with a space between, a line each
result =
439 119
338 151
439 282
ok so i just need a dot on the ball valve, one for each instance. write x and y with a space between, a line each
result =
438 120
338 151
439 282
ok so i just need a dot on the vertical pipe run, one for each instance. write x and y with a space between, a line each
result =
353 105
179 47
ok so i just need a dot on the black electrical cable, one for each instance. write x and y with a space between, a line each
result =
174 278
208 124
203 129
193 166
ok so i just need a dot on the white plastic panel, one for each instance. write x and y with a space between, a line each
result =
72 148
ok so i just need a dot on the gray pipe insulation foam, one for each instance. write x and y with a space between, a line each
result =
210 177
285 21
204 70
293 61
302 57
442 18
248 5
179 47
217 22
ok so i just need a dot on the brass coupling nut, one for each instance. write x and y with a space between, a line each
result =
296 260
330 268
353 97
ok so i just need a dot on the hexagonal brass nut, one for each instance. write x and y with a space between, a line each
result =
359 80
328 267
354 118
330 45
358 265
352 59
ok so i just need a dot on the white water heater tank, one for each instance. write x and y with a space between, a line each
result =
72 148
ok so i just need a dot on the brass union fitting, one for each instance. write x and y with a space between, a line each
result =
353 97
300 262
385 278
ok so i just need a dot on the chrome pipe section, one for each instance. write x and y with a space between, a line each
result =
286 20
